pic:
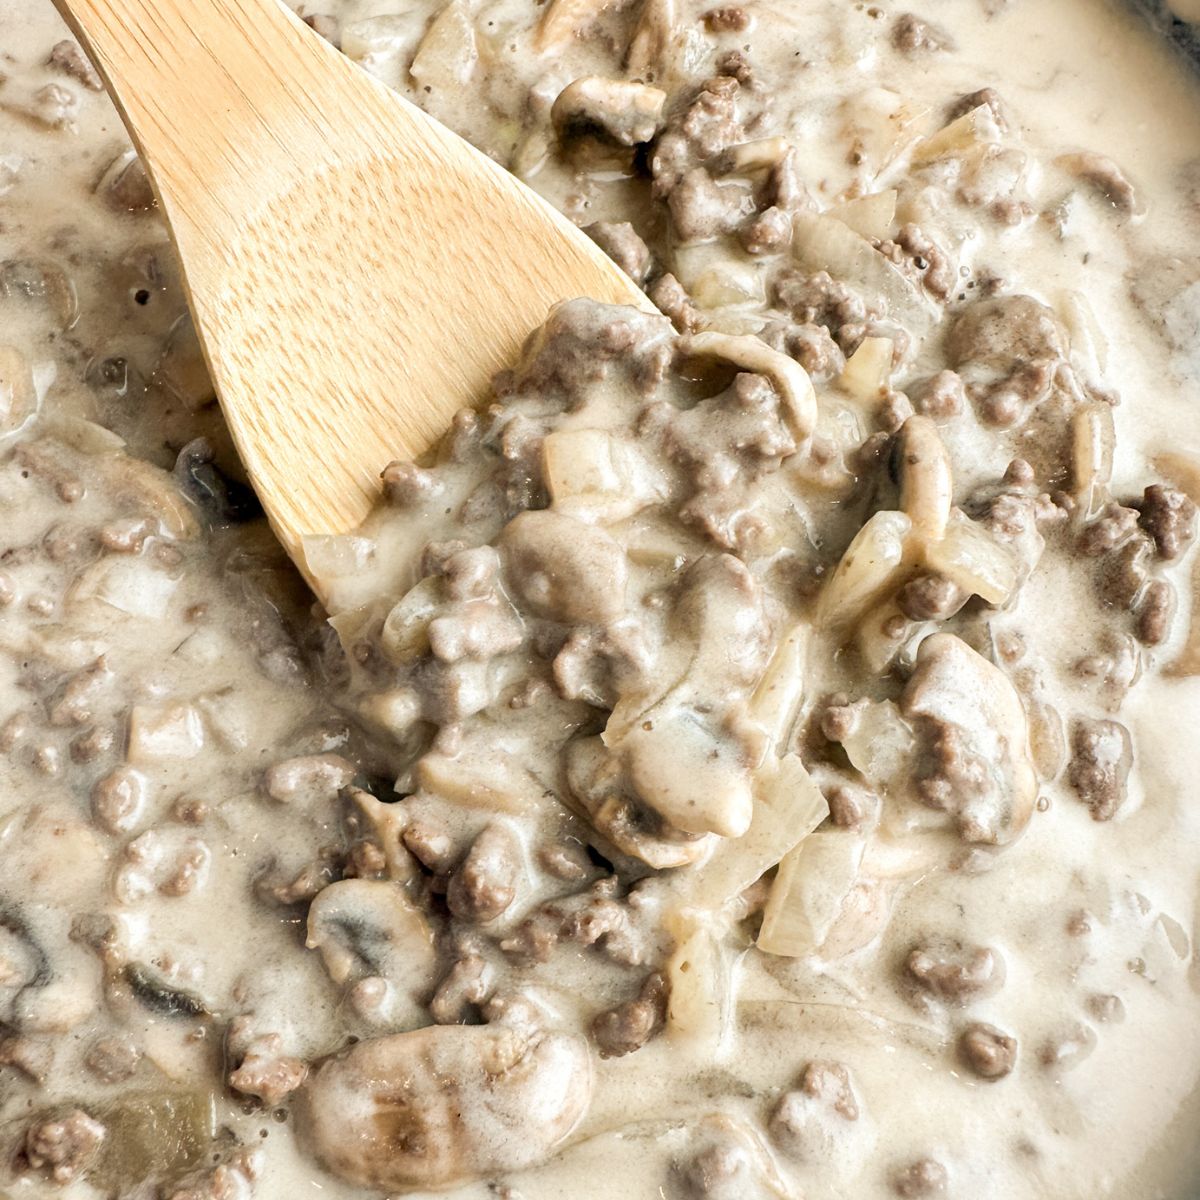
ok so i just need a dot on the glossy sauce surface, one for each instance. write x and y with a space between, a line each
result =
190 763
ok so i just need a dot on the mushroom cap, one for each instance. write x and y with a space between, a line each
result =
959 692
444 1105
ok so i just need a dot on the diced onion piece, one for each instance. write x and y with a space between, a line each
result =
378 44
1093 440
67 651
699 1010
405 633
361 38
85 436
594 475
787 376
164 734
1183 470
869 216
972 558
231 718
563 20
131 585
654 545
809 893
716 281
156 489
972 129
1087 338
181 369
397 710
1188 662
499 784
881 744
776 699
883 634
868 370
870 567
748 157
727 285
926 481
1047 737
881 125
336 555
351 623
530 154
18 396
656 25
579 462
788 806
665 48
447 55
734 321
823 243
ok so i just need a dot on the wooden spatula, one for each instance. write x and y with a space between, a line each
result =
356 271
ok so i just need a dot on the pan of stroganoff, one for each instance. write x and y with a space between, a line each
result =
752 758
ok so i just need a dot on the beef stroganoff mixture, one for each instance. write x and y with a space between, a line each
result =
752 758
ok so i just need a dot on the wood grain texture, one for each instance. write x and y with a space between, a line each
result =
356 271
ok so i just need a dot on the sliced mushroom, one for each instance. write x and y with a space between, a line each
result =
159 996
444 1105
926 482
565 570
977 763
40 992
597 785
721 622
656 28
751 353
694 776
683 740
368 927
613 110
23 963
405 633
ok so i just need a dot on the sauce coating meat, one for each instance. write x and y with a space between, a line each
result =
751 757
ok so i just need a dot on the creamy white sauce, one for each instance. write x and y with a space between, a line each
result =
1075 75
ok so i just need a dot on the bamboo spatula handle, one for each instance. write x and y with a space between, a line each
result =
357 272
217 95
